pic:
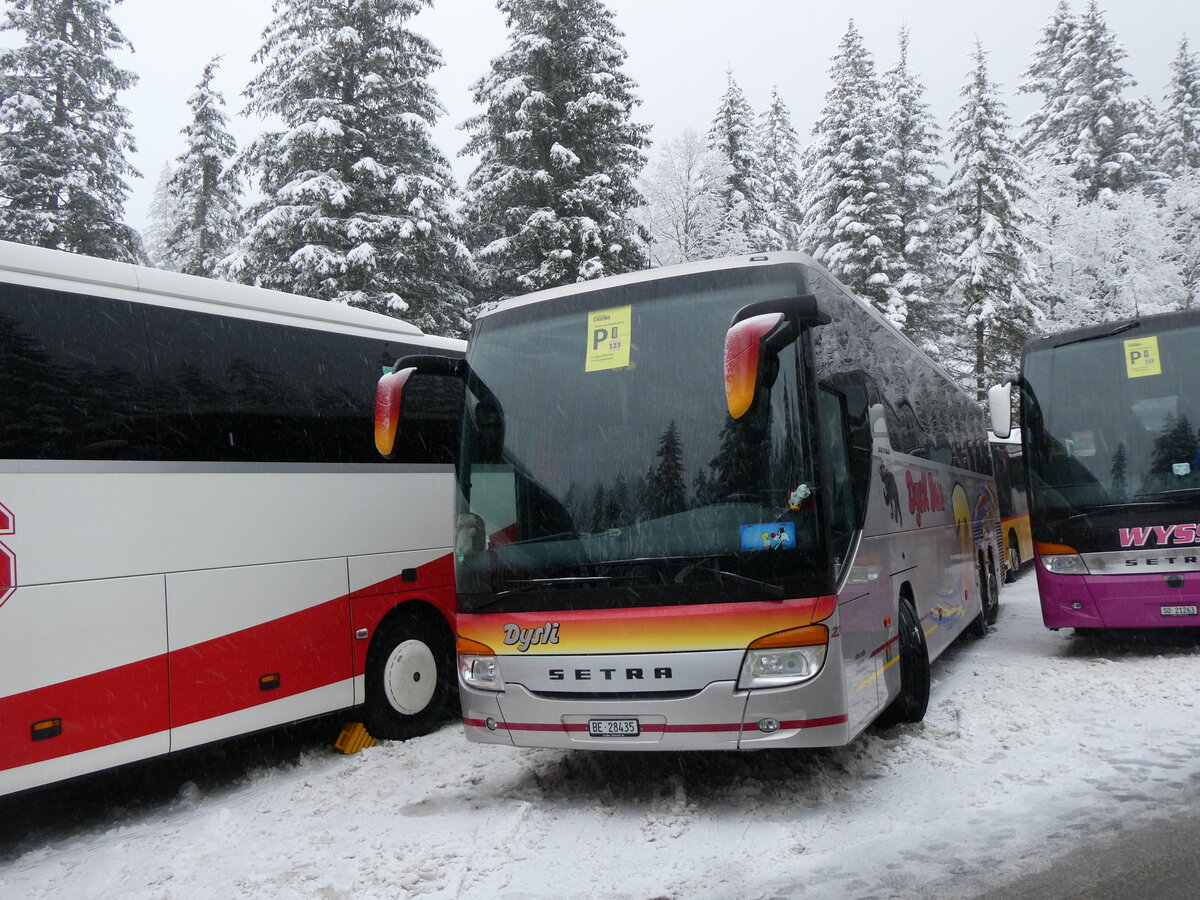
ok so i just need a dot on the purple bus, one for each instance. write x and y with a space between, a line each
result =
1108 425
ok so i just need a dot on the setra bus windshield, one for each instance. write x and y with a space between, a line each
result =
601 467
1111 420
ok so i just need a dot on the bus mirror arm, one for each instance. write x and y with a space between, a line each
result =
389 393
803 311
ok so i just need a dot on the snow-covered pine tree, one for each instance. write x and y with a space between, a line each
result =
1100 261
1181 205
203 191
911 159
685 214
161 216
1179 124
779 149
988 201
850 222
356 199
1100 128
551 200
1045 132
64 138
732 137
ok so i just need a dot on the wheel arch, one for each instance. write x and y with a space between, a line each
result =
415 606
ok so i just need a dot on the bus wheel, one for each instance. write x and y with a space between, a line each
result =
979 625
910 704
1014 559
410 676
991 599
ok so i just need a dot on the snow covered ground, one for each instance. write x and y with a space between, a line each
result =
1035 743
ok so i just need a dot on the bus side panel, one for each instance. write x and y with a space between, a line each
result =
1018 527
249 636
860 631
93 655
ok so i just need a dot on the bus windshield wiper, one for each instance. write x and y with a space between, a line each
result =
521 585
1174 494
772 590
1136 323
562 535
698 564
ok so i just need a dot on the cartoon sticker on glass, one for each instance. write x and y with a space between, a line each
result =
768 536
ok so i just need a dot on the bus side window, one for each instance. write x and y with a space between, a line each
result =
835 459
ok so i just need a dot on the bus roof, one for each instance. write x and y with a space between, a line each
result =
1131 326
89 273
644 275
720 265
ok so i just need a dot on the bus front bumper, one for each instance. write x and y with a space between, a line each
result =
719 717
1150 600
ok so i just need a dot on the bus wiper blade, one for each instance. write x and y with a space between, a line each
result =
772 590
527 584
1136 323
694 563
532 584
548 537
1176 494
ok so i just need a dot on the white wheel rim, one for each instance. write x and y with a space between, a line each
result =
410 677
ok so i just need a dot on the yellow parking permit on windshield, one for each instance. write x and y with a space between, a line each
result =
1141 357
608 338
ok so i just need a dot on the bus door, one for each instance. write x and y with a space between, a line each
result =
859 622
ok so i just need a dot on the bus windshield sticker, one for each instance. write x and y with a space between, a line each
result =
769 536
1081 443
608 339
1141 357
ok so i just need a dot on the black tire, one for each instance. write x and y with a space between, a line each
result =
1014 559
979 626
991 599
410 677
912 701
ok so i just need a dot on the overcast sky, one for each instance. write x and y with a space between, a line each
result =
679 51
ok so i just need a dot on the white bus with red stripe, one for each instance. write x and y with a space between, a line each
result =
197 537
714 506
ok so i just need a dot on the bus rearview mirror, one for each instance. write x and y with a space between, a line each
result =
389 401
758 333
1000 407
745 352
389 393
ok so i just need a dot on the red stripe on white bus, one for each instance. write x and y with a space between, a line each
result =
221 676
209 679
883 647
96 710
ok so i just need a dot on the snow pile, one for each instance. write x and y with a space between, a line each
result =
1035 743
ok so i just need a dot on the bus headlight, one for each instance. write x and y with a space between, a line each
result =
1065 564
784 658
478 667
